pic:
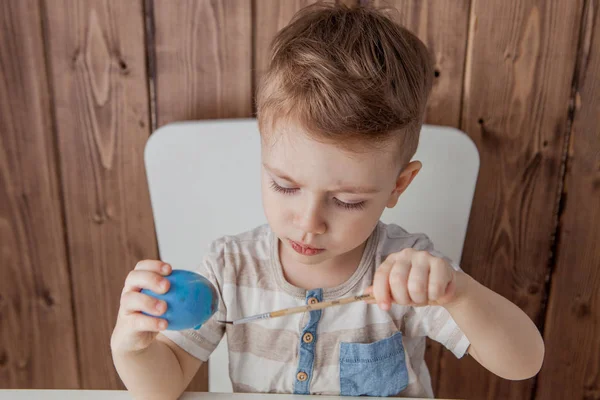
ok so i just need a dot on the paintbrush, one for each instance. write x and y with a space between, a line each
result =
301 309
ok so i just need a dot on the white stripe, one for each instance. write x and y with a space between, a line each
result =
425 380
445 332
206 333
412 376
187 345
461 347
254 243
326 381
244 302
357 316
260 373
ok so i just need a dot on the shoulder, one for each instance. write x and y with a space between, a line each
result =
242 242
393 238
235 255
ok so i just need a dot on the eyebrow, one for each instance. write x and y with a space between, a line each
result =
343 189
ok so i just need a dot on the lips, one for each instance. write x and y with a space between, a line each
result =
305 250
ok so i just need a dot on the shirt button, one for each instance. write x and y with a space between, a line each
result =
302 376
308 337
312 300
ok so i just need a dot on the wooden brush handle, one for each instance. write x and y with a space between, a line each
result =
320 306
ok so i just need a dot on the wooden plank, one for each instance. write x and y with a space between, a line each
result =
442 25
203 69
36 318
203 59
572 330
517 89
97 58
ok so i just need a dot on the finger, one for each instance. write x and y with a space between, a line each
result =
133 302
439 279
143 323
143 279
450 291
399 281
419 278
157 266
381 285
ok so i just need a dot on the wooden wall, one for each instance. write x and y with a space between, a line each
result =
83 83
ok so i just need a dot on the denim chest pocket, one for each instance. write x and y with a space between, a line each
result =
373 369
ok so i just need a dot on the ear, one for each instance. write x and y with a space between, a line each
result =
404 179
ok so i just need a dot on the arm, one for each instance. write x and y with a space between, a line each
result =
503 338
160 371
149 364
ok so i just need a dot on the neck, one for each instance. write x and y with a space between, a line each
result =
327 274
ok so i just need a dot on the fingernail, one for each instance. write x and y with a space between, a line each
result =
162 325
384 306
165 268
164 284
159 306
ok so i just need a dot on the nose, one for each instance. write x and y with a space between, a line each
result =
310 220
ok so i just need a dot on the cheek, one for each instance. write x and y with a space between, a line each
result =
273 206
361 222
353 223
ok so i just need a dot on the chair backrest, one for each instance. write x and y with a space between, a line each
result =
204 181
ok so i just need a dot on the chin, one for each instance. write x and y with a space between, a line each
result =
311 260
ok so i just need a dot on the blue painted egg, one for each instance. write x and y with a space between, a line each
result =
191 300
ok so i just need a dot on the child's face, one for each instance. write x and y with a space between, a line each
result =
317 195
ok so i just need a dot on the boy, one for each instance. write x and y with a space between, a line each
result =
339 110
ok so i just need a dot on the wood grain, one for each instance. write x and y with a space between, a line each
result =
442 25
203 68
520 64
36 317
572 328
96 51
74 119
203 59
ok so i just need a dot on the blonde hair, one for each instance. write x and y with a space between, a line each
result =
350 76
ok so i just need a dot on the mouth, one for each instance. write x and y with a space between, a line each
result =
304 249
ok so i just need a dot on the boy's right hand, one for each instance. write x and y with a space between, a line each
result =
135 331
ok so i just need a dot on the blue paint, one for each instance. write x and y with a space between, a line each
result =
191 300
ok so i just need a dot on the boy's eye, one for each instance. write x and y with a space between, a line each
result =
282 189
350 206
339 203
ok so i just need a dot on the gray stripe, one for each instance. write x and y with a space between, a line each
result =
242 269
271 344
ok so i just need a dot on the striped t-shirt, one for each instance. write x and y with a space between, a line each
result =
354 349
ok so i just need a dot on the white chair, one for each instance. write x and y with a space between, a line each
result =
204 183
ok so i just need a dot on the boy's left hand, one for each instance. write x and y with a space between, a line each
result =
412 277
